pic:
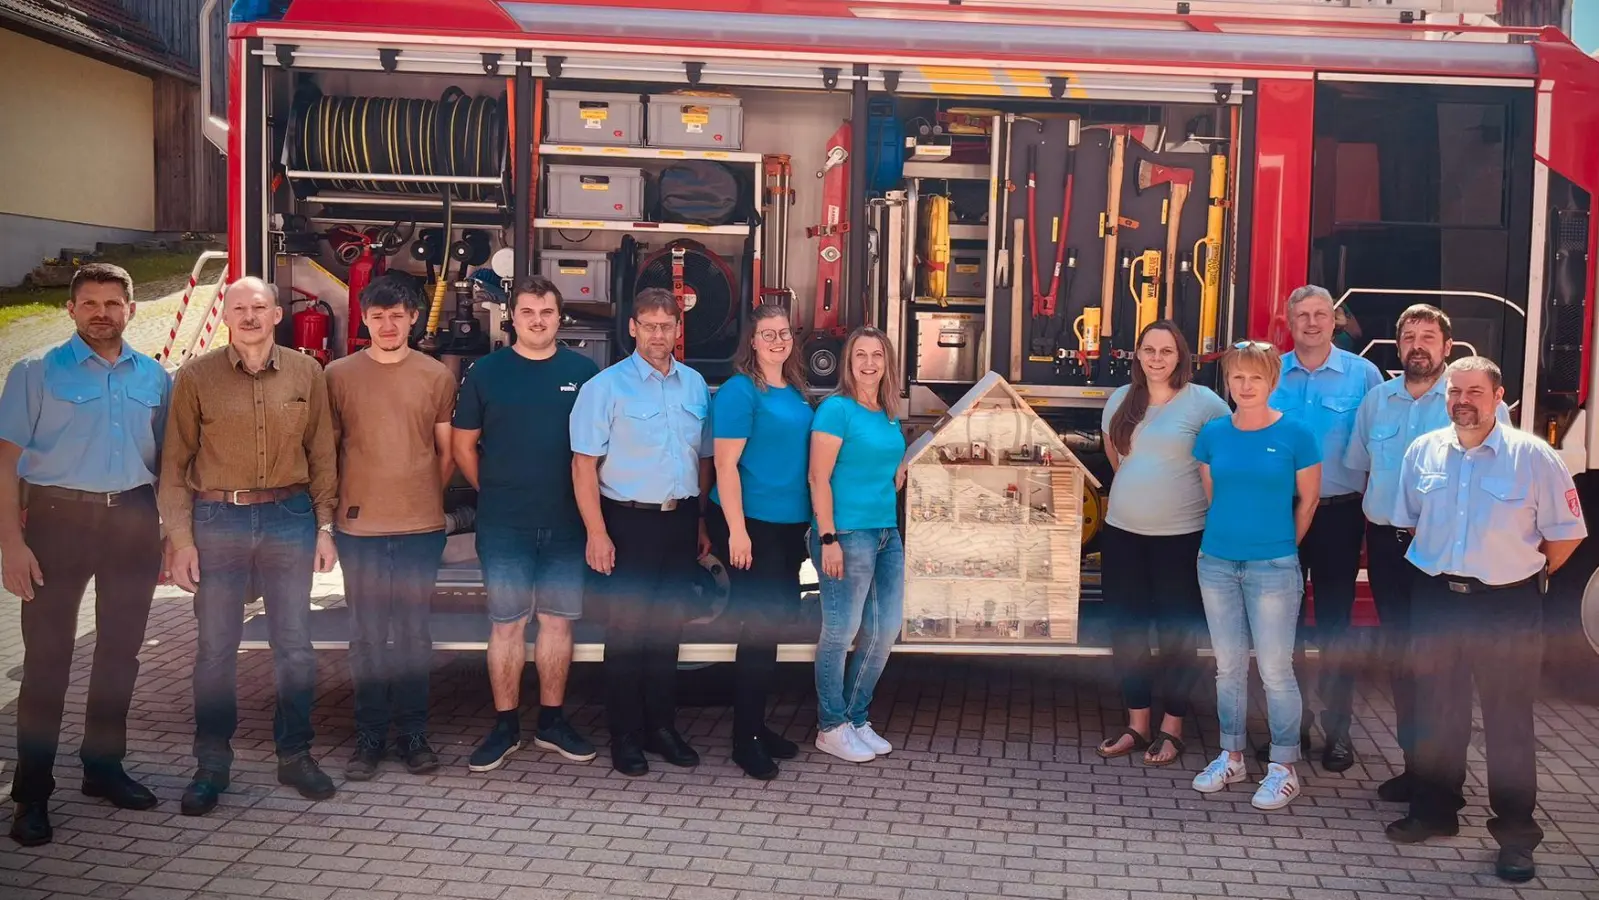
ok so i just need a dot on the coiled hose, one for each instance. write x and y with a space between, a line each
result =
456 135
936 257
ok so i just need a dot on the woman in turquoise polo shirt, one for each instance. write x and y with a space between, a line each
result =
760 510
855 476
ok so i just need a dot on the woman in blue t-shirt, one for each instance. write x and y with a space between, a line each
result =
760 509
856 451
1151 540
1262 473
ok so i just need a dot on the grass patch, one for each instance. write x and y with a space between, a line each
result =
146 268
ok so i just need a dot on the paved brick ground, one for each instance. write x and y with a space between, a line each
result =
996 792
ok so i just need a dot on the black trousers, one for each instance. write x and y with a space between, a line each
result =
1494 639
1330 556
1392 581
1153 581
645 598
120 548
763 598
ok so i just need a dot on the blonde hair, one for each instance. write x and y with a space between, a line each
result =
888 388
1254 356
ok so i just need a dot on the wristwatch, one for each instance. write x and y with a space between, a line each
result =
326 529
829 538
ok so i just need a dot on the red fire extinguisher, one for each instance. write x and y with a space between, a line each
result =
366 267
313 326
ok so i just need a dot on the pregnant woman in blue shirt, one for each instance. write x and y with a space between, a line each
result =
856 449
760 508
1151 539
1262 473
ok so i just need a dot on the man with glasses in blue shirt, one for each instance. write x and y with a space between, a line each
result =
1321 388
1391 418
641 470
1494 512
80 429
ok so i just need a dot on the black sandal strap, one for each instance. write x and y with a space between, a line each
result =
1163 738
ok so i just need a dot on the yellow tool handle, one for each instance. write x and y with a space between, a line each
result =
1113 208
436 314
1210 293
1179 197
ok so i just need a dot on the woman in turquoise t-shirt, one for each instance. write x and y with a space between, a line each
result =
760 510
1262 472
856 450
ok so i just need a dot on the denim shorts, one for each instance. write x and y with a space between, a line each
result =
532 570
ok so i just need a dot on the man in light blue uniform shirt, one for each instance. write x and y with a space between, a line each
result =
79 433
1494 512
1393 415
641 471
1321 388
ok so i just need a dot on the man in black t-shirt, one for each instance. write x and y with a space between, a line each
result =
512 443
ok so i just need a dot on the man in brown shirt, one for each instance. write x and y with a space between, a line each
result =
247 490
391 407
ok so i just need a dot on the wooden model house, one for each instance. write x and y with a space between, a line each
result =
993 525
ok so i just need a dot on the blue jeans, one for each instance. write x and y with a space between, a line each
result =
1260 599
868 601
269 548
388 586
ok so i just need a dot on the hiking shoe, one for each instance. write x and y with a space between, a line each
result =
1277 789
564 739
418 757
872 741
842 743
363 764
304 775
492 753
1223 770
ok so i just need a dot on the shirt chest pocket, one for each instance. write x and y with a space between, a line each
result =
1387 446
641 424
1338 413
1507 505
76 409
689 419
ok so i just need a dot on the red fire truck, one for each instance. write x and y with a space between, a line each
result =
1011 186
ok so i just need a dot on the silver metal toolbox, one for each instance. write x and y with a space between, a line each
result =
581 117
947 345
595 192
696 123
581 275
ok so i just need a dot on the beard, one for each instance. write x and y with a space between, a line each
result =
1465 416
1420 367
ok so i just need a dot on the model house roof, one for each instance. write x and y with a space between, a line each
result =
993 396
98 28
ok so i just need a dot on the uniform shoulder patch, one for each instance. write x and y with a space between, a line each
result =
1574 503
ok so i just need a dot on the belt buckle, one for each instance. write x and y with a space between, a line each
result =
669 505
1459 587
111 498
232 497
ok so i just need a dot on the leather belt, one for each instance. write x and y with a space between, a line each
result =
1336 499
1461 585
98 498
250 497
1401 535
668 506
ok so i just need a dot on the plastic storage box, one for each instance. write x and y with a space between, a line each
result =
581 275
595 192
595 343
966 271
696 123
580 117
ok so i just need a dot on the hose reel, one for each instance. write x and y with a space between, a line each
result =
710 292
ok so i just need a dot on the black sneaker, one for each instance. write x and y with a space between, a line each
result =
492 753
304 775
418 757
564 739
363 764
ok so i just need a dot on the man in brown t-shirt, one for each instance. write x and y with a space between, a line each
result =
248 481
391 407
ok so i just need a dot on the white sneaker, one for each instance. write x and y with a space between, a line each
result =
873 741
1278 788
1223 770
842 743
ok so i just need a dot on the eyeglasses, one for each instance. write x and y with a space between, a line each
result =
1254 345
654 329
771 335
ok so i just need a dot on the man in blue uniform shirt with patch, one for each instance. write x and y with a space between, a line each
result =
1494 512
1321 388
80 430
1393 415
641 469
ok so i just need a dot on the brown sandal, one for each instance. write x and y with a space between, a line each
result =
1163 738
1139 743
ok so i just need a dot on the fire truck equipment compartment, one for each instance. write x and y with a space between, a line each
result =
581 275
693 122
595 192
595 343
581 117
